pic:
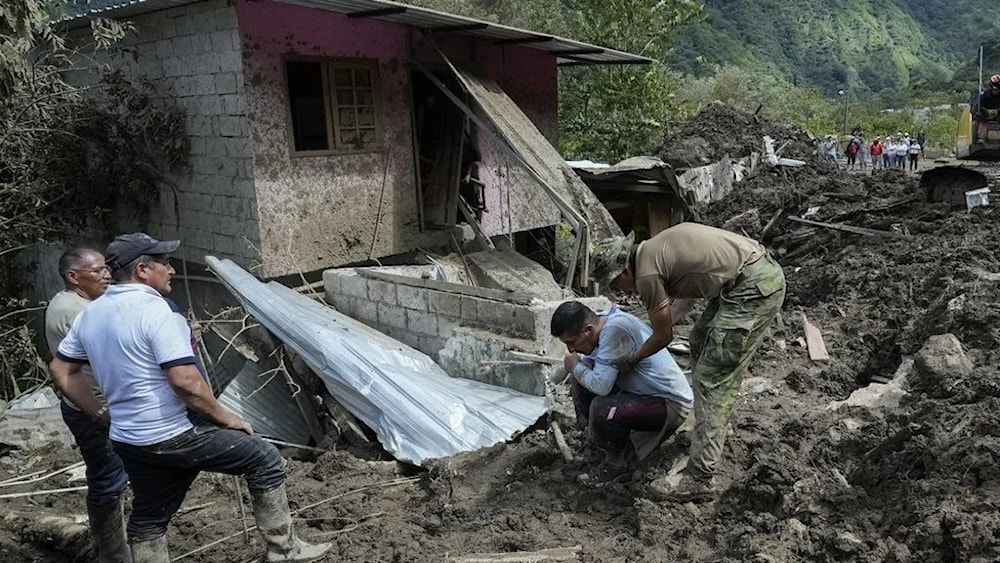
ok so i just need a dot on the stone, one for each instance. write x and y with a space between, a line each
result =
939 364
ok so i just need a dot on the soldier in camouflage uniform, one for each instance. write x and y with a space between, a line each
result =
745 287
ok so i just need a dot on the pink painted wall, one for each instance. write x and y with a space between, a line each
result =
319 211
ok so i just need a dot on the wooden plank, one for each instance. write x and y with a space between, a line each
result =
480 292
660 213
470 218
814 341
534 358
849 228
552 554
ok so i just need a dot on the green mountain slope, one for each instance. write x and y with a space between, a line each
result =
868 45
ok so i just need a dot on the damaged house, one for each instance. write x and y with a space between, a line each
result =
326 133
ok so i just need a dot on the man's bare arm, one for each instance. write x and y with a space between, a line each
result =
187 382
662 324
77 389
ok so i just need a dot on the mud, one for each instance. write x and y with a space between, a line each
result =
799 481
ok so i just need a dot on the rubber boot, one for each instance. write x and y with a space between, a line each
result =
151 551
274 521
107 529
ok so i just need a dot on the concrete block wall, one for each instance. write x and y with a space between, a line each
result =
421 317
192 55
468 335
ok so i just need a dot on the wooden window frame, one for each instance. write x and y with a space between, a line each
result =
327 67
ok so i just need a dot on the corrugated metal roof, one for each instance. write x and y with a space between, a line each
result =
267 404
567 51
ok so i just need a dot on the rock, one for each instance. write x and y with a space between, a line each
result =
848 542
757 386
939 364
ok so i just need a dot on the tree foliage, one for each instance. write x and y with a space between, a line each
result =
68 151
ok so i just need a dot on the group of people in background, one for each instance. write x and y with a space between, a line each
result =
900 151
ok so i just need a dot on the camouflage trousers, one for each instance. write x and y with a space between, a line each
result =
723 343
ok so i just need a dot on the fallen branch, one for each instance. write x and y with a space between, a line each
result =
552 554
392 483
849 228
12 482
561 442
45 492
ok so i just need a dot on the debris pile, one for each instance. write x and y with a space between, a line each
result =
899 289
723 130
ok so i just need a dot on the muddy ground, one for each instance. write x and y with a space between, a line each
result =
799 481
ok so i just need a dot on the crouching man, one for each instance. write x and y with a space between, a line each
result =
628 413
140 353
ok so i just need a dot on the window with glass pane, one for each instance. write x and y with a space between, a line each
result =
354 108
332 105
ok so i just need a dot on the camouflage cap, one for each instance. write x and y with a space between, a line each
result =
608 257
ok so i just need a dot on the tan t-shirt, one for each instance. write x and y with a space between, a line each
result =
690 261
59 316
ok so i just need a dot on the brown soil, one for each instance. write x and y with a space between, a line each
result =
799 482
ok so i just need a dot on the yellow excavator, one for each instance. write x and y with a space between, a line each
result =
978 140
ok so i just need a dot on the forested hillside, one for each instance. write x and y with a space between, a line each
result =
871 46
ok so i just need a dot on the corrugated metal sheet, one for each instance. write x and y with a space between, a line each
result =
267 404
567 51
417 411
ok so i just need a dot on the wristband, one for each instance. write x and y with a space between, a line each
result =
100 412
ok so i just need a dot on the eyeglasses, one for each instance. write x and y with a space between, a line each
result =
100 270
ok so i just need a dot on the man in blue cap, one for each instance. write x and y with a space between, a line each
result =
140 352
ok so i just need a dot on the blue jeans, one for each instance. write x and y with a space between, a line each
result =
106 478
162 473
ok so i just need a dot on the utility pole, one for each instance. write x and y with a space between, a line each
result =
846 93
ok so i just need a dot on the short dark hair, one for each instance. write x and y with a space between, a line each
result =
127 271
73 259
570 317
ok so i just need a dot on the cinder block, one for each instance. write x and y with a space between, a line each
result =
413 297
469 308
526 324
225 18
234 104
164 49
225 83
355 286
366 312
447 326
204 23
425 324
204 85
223 244
237 147
230 61
230 126
222 41
183 46
430 345
184 25
444 303
392 315
498 315
331 284
383 292
202 43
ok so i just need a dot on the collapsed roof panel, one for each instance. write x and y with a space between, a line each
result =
417 411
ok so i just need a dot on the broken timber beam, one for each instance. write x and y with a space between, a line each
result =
814 341
470 218
480 292
552 554
849 228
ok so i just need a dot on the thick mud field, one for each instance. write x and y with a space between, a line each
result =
911 475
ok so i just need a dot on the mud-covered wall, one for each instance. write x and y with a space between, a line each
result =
514 201
191 56
320 211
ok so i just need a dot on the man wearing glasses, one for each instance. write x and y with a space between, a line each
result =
86 278
140 351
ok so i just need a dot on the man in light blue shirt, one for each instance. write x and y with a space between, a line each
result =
628 413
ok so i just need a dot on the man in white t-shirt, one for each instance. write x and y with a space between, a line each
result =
140 351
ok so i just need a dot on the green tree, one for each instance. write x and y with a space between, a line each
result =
68 152
614 112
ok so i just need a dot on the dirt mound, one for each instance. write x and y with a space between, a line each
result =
874 266
723 130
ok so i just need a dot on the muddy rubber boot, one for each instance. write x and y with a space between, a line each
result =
274 521
107 529
683 487
151 551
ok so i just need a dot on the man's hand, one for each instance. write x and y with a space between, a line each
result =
235 422
570 361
